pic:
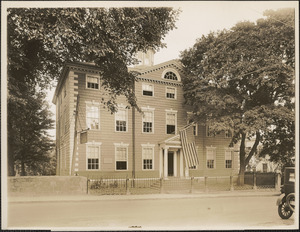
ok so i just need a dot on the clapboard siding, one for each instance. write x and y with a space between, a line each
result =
75 161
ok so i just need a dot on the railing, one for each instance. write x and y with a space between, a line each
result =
113 186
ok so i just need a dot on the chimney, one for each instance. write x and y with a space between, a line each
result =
145 58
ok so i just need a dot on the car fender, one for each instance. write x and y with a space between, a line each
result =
280 198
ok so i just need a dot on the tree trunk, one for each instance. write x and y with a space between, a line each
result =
242 160
10 159
254 148
23 172
245 160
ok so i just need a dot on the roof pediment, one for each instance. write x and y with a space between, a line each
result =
148 69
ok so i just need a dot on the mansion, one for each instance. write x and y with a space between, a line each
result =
90 141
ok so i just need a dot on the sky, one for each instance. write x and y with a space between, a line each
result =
196 19
200 18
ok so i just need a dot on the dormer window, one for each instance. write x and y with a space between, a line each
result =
170 76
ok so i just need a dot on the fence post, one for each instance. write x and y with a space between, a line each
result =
192 180
254 181
161 185
87 186
127 186
205 184
277 181
231 183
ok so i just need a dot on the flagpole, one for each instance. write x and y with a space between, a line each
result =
186 126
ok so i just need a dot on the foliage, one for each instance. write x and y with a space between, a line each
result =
243 80
41 40
280 142
28 124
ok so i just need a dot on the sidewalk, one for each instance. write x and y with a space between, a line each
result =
80 198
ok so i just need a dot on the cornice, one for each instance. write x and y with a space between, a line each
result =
84 69
162 67
159 81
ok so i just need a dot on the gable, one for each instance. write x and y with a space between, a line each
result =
157 72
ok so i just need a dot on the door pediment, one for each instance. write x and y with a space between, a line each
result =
173 141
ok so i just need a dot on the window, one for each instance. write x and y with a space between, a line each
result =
147 90
171 122
170 76
148 121
171 92
92 82
121 120
228 159
210 157
195 129
228 134
121 157
92 117
209 132
190 120
265 167
93 157
148 154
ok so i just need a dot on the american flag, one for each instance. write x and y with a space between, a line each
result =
188 146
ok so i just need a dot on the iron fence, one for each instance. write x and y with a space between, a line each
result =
105 186
113 186
144 186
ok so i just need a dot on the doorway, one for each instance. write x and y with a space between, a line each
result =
170 163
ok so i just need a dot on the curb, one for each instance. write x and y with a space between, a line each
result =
87 198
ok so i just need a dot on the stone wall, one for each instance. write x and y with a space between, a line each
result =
46 185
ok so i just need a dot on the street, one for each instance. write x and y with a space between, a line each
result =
179 214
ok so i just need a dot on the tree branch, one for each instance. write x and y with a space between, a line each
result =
254 147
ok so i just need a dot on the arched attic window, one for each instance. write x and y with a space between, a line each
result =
171 74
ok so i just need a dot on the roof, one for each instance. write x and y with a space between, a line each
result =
79 65
148 69
91 67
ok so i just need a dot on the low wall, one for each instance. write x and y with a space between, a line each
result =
46 185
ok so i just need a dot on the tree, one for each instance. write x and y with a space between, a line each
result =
41 40
280 142
28 124
243 80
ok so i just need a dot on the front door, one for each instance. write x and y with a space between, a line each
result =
170 163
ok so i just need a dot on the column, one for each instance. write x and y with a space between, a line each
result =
160 162
186 170
181 163
166 162
175 163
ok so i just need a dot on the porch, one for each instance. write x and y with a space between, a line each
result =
171 159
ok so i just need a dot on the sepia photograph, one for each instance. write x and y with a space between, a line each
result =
149 115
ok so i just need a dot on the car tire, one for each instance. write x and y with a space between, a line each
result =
284 211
